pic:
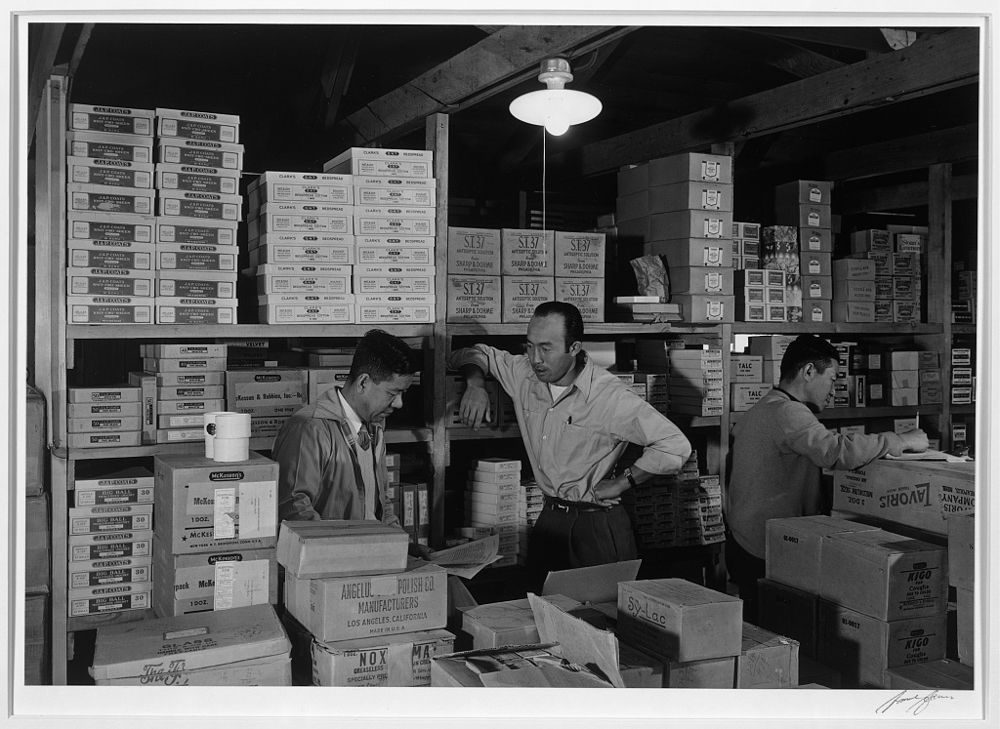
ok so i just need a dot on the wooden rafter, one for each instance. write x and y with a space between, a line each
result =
885 79
494 64
336 76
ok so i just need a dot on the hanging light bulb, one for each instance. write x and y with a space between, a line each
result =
557 108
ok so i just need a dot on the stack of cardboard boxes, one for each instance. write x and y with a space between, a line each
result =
370 619
199 208
805 205
695 381
748 383
882 282
270 396
109 204
492 500
103 417
680 207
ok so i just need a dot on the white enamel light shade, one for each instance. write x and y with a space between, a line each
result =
556 108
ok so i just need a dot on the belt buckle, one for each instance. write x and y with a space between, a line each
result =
560 506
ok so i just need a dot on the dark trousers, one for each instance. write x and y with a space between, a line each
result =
744 571
566 538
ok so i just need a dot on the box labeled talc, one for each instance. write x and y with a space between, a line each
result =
195 256
200 153
108 282
179 310
474 251
128 147
587 294
90 225
745 395
197 179
200 205
196 284
579 254
202 125
396 661
409 249
362 606
196 231
109 309
522 294
110 254
204 506
110 119
109 172
409 191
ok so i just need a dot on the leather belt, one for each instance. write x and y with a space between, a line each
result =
573 506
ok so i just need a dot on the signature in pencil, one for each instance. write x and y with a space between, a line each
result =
914 704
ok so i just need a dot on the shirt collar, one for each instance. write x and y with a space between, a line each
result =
352 417
583 381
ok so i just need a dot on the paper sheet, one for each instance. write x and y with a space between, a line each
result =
466 560
928 455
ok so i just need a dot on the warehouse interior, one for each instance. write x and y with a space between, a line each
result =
895 117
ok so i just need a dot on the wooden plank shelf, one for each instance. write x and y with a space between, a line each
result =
591 329
153 332
508 431
867 329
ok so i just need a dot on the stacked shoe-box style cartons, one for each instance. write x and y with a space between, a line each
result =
109 203
199 208
695 381
493 500
110 543
680 207
370 619
215 533
806 206
103 417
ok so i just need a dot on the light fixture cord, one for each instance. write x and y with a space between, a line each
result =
544 175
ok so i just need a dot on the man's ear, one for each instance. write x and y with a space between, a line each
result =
575 348
364 381
808 371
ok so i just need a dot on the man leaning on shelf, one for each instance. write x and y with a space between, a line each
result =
779 449
576 419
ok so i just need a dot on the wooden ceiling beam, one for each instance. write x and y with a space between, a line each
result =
901 197
861 39
929 66
336 76
506 58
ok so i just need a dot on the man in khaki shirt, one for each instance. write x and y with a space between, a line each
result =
576 419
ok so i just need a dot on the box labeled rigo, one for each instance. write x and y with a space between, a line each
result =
205 506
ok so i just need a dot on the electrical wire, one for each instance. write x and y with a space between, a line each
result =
544 173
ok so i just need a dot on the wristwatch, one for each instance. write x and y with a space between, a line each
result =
630 477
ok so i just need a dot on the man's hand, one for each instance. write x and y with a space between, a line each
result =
420 550
914 441
474 409
608 491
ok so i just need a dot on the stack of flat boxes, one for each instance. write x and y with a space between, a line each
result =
109 204
805 204
761 294
963 377
695 381
848 390
680 207
904 374
530 503
858 296
653 361
215 534
748 384
103 417
179 383
746 245
303 264
650 386
394 222
474 275
393 492
270 395
909 250
770 349
864 599
931 385
897 260
199 208
492 499
110 543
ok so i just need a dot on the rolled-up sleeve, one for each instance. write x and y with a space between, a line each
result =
665 447
508 369
301 449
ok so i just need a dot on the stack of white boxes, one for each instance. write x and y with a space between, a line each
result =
474 276
413 510
199 208
179 383
858 295
779 251
760 294
103 417
695 381
109 204
527 266
394 221
270 395
530 503
680 207
110 543
805 205
327 367
904 373
746 245
578 265
963 377
301 239
215 533
370 619
492 500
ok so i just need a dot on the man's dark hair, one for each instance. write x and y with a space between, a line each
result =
807 348
572 319
380 355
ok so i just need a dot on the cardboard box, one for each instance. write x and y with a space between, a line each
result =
768 660
389 279
192 256
522 294
204 506
803 215
816 287
527 252
337 548
507 623
197 285
85 548
962 550
197 125
864 241
579 254
368 605
127 147
862 647
587 294
200 153
304 313
815 264
393 661
692 252
108 230
391 220
746 368
271 386
701 280
856 269
197 179
853 290
884 575
678 620
110 518
706 308
418 192
474 251
400 308
945 674
796 192
688 195
196 232
240 647
110 172
965 629
853 311
790 612
395 249
124 570
815 240
109 254
794 548
101 605
110 119
109 309
301 187
179 310
745 395
921 494
694 166
690 224
713 673
379 162
200 205
129 486
281 253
